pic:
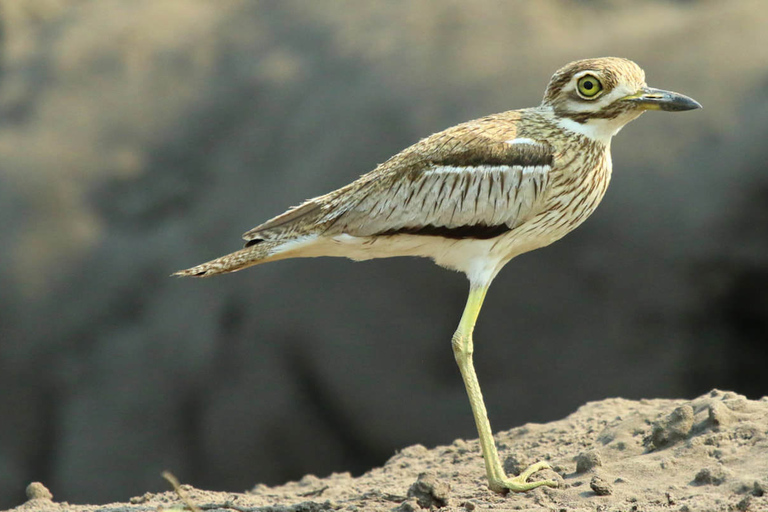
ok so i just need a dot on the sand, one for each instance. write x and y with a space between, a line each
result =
710 453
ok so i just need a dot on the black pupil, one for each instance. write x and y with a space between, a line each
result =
588 84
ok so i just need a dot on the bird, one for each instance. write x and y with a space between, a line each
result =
471 198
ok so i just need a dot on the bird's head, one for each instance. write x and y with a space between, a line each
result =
597 97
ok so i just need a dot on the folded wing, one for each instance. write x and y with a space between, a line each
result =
480 191
460 183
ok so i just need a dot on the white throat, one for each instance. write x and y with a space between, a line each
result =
600 130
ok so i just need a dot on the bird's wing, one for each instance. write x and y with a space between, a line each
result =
469 181
458 185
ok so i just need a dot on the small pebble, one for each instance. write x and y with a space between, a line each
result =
429 492
37 491
709 476
137 500
587 461
600 486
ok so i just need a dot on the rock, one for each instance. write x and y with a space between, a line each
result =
600 486
429 492
37 491
710 476
587 461
670 498
137 500
672 428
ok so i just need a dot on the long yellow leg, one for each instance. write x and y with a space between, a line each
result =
463 349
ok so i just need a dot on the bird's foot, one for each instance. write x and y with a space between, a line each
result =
520 483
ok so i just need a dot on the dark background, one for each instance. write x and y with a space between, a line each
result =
140 137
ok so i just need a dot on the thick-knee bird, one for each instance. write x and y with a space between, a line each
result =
473 197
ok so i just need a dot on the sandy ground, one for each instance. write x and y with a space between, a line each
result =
710 453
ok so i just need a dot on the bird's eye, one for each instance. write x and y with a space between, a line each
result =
589 86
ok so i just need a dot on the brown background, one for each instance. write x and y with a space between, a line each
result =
139 137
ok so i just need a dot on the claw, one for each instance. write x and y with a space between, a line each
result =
520 483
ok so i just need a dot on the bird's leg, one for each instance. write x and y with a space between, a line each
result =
462 351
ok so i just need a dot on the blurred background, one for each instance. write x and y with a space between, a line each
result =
138 137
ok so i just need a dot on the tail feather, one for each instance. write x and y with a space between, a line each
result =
253 254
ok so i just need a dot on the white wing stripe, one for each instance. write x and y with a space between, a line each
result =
484 169
521 140
538 169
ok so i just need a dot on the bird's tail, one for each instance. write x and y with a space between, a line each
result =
253 254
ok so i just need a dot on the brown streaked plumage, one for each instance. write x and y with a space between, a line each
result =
473 197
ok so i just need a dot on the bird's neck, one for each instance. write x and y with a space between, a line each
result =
598 129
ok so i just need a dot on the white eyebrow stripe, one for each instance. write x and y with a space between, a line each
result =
521 140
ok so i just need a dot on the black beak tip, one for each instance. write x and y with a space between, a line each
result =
681 103
659 99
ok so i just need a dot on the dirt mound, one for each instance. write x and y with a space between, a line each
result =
710 453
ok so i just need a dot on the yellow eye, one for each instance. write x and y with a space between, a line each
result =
589 86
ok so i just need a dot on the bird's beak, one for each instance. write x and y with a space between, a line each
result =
648 98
